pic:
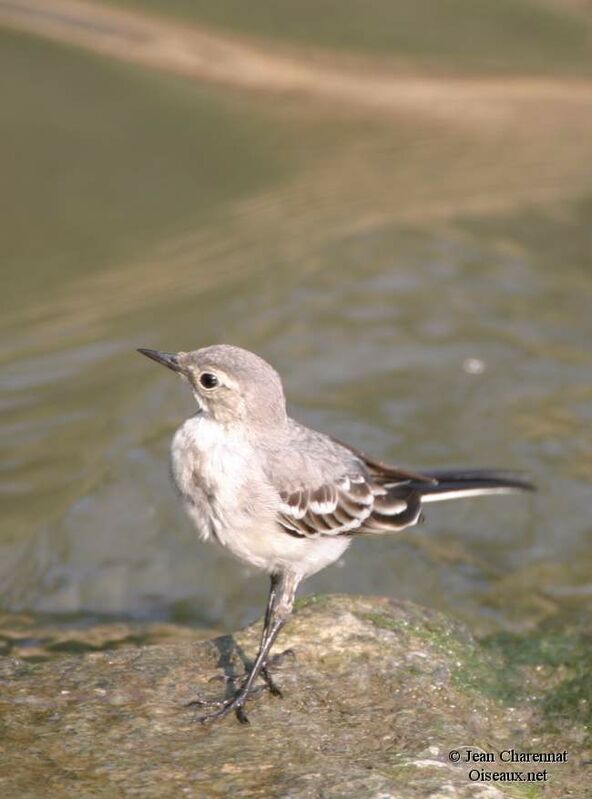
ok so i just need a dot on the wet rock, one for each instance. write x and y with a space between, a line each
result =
376 696
23 636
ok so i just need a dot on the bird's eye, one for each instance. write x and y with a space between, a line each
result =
208 380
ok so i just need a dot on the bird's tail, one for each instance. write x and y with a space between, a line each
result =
455 484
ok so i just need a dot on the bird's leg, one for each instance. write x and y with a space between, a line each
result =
199 702
275 579
284 589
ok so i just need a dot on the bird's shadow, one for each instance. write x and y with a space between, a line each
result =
234 664
232 660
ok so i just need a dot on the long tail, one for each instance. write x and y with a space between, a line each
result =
455 484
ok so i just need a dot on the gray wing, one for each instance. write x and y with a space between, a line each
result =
377 497
350 505
333 489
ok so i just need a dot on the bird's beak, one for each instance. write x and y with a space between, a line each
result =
169 359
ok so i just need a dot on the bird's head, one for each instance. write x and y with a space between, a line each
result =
231 385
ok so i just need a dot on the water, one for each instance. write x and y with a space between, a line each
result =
419 274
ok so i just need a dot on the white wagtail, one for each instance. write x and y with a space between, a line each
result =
281 496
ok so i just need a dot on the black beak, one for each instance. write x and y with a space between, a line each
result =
169 359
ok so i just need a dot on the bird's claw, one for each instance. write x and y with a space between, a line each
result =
224 705
201 702
235 703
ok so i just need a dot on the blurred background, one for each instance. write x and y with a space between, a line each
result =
390 200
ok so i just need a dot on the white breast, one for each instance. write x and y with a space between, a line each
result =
211 466
230 500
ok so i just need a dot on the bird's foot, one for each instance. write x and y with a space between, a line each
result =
238 699
202 701
234 703
270 684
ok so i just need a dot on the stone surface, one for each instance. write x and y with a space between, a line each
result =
22 636
376 696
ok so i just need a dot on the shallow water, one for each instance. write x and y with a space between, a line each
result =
422 284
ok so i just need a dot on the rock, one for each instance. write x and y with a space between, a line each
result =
377 695
22 636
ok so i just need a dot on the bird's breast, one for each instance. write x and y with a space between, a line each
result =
217 475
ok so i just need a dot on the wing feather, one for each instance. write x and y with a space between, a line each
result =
376 497
351 505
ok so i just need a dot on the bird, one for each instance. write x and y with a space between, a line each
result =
281 496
